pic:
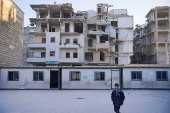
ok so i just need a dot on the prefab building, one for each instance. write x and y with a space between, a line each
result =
86 77
146 77
90 77
29 78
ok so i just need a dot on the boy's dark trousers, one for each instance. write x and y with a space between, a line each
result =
116 108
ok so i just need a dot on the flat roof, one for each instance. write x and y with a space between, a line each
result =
30 67
154 65
97 67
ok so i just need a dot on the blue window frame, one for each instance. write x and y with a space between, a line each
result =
38 75
13 75
74 76
161 75
99 76
136 75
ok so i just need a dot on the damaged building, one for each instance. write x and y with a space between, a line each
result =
67 38
151 41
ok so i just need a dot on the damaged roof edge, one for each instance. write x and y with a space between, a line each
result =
45 5
157 7
153 9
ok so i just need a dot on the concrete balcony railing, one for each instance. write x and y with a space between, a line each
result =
143 43
162 51
103 45
98 21
36 45
151 52
94 47
161 39
163 27
137 42
40 30
97 32
152 29
37 32
69 60
143 35
36 59
137 50
97 62
69 45
152 41
150 20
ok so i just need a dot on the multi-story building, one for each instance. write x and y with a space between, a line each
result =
137 45
155 37
27 38
11 33
64 37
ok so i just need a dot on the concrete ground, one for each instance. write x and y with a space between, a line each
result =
90 101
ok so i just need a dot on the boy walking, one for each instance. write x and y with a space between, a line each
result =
117 97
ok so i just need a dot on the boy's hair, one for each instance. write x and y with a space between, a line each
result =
116 84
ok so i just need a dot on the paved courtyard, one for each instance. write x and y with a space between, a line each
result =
82 101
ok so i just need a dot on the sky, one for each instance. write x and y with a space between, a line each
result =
137 8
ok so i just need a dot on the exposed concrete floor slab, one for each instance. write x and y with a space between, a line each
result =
94 101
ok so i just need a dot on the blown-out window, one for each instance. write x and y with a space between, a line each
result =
67 55
52 53
52 39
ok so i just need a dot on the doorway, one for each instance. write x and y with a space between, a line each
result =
54 79
115 77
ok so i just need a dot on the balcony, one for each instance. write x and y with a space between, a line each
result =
98 21
152 53
69 45
97 32
69 33
38 19
142 44
163 13
150 21
97 62
36 45
149 44
143 36
137 43
137 50
69 60
163 28
103 45
163 24
37 33
41 29
33 59
161 39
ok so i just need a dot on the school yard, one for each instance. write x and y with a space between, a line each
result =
82 101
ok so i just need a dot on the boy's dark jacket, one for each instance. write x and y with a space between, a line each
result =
117 100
